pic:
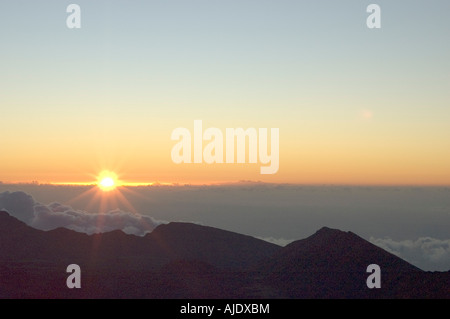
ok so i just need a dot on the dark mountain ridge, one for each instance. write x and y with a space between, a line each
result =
168 242
183 260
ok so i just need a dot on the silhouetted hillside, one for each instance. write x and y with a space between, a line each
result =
183 260
215 246
332 264
166 243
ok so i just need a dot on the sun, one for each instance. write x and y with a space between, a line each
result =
107 181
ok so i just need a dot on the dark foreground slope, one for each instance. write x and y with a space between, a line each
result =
182 260
333 264
174 241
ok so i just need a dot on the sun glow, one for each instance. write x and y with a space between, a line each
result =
107 181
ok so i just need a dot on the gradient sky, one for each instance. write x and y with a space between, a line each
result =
353 105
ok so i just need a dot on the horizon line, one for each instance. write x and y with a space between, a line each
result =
219 183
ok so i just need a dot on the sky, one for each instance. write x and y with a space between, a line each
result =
353 105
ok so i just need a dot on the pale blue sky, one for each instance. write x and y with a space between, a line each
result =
259 53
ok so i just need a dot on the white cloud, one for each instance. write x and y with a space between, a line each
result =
425 252
277 241
19 204
54 215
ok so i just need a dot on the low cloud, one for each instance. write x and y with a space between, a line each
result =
277 241
54 215
19 204
426 253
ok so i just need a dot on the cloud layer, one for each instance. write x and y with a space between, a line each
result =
277 241
427 253
54 215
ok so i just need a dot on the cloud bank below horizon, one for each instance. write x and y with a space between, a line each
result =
424 252
54 215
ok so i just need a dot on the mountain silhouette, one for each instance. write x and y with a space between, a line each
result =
333 264
184 260
344 251
215 246
166 243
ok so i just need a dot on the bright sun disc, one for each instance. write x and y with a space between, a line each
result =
107 181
